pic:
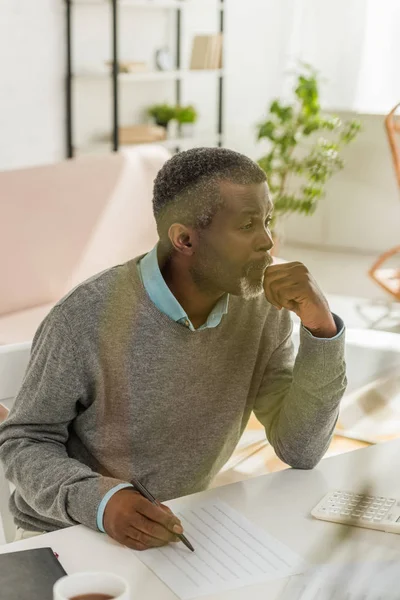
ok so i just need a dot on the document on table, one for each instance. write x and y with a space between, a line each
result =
357 581
230 552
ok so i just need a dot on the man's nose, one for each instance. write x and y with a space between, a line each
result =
264 241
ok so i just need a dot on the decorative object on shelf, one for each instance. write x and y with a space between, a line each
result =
300 161
141 134
162 114
130 66
164 60
207 52
186 117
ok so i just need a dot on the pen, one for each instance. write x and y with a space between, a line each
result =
145 492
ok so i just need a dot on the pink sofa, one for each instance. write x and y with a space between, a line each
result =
62 223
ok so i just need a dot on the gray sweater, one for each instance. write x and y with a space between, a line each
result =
115 388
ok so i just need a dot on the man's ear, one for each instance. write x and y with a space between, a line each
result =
183 239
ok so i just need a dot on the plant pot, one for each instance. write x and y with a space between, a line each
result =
173 129
161 124
187 130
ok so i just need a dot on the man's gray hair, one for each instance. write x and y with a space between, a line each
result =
186 188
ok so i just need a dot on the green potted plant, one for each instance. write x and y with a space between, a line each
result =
186 117
301 159
162 114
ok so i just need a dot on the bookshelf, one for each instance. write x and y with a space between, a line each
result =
153 75
148 4
177 74
170 143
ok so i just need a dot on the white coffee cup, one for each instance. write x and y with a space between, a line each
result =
91 583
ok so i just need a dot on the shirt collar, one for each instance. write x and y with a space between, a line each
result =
165 301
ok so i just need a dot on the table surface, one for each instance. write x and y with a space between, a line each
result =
280 503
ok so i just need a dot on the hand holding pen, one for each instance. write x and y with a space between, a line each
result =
139 523
146 494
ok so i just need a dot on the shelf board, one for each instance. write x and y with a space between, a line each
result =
148 4
136 3
189 142
171 144
150 75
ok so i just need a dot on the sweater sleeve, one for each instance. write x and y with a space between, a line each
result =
298 400
33 439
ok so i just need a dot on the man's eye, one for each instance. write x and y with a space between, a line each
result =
268 222
248 225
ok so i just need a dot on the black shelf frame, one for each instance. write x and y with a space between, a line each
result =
221 79
115 12
68 82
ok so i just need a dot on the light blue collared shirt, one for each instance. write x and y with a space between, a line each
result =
160 294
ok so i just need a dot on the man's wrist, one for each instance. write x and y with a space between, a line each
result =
324 329
102 506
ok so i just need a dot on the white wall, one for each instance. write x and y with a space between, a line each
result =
31 82
255 62
352 42
361 209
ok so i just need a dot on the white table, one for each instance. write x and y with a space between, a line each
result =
280 503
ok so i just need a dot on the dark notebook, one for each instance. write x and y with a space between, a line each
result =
29 574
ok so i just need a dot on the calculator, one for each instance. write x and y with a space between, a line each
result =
349 508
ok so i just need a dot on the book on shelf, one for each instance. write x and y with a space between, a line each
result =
218 58
199 52
130 66
207 52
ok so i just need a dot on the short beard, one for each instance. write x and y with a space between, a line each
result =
250 290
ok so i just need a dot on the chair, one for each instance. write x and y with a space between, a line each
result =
389 277
13 362
392 124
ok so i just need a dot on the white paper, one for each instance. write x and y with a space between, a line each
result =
362 581
230 552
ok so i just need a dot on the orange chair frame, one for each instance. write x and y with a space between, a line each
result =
389 279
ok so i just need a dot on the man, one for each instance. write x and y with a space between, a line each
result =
151 369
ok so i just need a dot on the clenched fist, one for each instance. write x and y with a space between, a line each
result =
290 285
137 523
